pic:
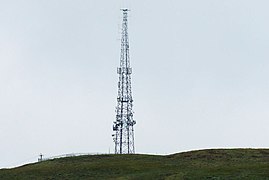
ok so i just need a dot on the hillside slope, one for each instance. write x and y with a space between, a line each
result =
204 164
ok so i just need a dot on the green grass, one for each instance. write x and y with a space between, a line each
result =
205 164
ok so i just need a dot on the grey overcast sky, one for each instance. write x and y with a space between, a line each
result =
200 75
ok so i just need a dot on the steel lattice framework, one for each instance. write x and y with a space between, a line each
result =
123 126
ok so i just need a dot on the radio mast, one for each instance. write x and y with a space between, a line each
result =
123 126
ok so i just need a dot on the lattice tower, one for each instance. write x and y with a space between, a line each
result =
124 124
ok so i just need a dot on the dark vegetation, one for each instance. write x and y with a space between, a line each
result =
204 164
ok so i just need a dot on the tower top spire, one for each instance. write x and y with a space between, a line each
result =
125 9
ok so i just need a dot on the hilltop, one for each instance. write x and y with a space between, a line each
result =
203 164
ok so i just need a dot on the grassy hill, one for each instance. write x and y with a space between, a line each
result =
204 164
